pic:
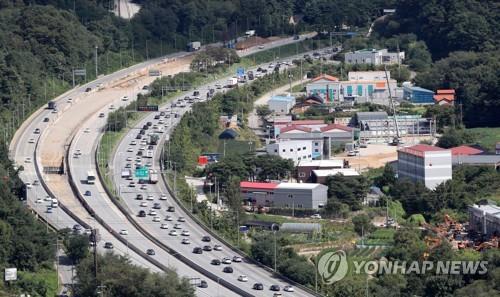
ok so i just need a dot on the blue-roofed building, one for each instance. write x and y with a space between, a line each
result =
418 95
281 104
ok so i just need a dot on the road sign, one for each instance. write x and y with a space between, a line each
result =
147 108
10 274
240 71
142 172
80 72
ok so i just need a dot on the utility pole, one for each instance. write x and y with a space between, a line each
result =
96 65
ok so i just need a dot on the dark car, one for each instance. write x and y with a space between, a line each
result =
157 206
139 136
88 193
196 93
203 284
142 132
150 252
151 147
101 115
88 90
145 127
157 117
139 197
149 124
142 214
108 245
139 153
206 238
207 248
275 288
258 286
215 262
296 37
197 250
228 269
171 209
77 227
46 120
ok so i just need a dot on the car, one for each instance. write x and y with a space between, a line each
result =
37 131
144 187
203 284
258 286
150 123
157 206
31 140
27 160
129 159
237 259
226 260
217 248
124 98
47 198
130 150
142 148
49 209
150 197
169 218
316 216
152 212
351 153
150 252
197 250
173 233
215 262
177 226
139 197
39 200
243 278
206 238
133 142
77 227
181 219
185 241
128 166
288 288
143 204
163 197
124 232
227 269
275 288
207 248
261 46
46 120
156 219
277 294
87 130
36 182
28 185
111 106
142 132
108 245
171 209
88 193
185 233
141 214
139 136
54 110
101 115
164 226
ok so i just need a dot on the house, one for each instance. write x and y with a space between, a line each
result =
424 163
284 195
295 150
228 134
445 97
374 56
485 219
418 95
320 176
308 102
305 169
228 121
281 104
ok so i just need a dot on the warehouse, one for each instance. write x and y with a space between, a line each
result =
284 195
485 219
281 104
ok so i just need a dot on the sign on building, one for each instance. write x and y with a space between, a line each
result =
147 108
10 274
142 172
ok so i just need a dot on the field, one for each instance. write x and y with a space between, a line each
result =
44 277
486 137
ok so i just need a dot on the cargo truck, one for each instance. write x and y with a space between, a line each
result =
233 81
51 105
193 46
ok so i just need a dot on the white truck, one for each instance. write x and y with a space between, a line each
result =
233 81
193 46
153 177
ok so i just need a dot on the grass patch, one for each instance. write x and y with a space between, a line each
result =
486 137
43 278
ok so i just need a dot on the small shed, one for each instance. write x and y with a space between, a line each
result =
228 134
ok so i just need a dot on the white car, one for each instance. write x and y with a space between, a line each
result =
47 198
261 46
316 216
163 197
144 187
31 140
185 241
226 260
237 259
39 200
181 219
143 204
28 185
156 219
164 226
152 212
111 106
173 233
217 248
185 233
177 226
124 232
169 218
130 150
124 98
87 130
351 154
129 159
288 288
133 142
150 197
243 278
27 160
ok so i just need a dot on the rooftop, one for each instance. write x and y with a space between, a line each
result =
490 209
325 77
295 127
446 91
282 98
323 163
298 186
465 150
256 185
371 115
342 171
336 126
415 88
420 149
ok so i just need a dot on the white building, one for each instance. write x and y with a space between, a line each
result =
485 219
424 163
375 57
281 104
295 150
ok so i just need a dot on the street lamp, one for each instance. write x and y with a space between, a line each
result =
96 72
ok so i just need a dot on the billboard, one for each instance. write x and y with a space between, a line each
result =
147 107
10 274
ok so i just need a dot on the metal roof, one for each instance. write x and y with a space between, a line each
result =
300 227
342 171
371 115
323 163
298 186
282 98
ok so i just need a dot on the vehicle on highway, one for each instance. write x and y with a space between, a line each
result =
88 193
143 204
215 262
101 115
173 233
163 197
28 185
49 209
206 238
152 212
169 218
77 227
131 184
258 286
139 197
228 269
277 294
157 206
45 120
156 219
90 177
226 260
243 278
164 226
39 200
124 232
27 160
47 198
31 140
288 288
185 233
237 259
130 150
197 250
54 203
171 209
150 252
133 142
181 219
217 248
207 248
142 213
177 226
108 245
185 241
139 136
203 284
150 197
37 131
124 98
87 130
274 288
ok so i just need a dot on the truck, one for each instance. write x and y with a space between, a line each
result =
193 46
153 177
250 33
126 173
153 139
233 81
51 105
250 75
154 72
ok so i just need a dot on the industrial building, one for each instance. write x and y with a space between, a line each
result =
284 195
295 150
430 165
418 95
281 104
374 56
485 219
320 176
378 125
305 169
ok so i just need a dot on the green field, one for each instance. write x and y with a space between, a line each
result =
44 277
486 137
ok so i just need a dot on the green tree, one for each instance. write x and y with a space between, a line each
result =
77 247
348 190
362 224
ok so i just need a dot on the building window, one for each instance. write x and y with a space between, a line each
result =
300 206
316 150
291 150
302 174
276 150
316 143
304 148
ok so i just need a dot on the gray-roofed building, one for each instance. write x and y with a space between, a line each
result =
485 219
478 160
301 228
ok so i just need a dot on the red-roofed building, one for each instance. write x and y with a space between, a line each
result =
443 97
257 186
430 165
465 150
325 77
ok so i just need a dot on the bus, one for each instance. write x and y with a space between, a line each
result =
90 178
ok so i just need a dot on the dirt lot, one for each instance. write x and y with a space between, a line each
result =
374 156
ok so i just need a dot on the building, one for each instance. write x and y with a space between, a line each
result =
281 104
477 160
284 195
485 219
305 169
374 56
321 175
283 123
497 148
445 97
296 150
465 150
424 163
378 125
228 134
418 95
324 87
